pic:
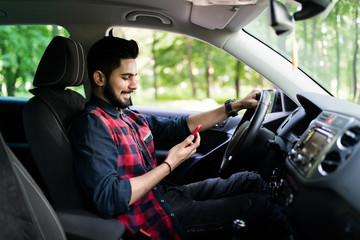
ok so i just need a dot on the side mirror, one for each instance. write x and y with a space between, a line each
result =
280 20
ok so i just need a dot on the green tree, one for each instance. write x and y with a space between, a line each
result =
21 49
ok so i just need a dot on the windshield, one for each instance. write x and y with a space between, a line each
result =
327 46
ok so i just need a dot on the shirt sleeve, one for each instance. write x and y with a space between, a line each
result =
96 163
164 128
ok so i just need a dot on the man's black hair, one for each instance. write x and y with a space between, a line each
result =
106 54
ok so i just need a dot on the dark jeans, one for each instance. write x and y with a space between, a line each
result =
211 206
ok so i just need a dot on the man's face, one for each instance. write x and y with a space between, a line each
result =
121 84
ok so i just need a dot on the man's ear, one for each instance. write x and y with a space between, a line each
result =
99 78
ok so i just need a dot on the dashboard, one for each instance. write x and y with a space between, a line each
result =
321 183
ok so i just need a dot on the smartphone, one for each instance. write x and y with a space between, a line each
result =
197 129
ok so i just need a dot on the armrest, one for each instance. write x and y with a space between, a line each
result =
81 224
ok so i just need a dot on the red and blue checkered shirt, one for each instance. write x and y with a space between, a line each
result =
111 146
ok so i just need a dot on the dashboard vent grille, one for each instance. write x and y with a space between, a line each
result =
351 136
331 162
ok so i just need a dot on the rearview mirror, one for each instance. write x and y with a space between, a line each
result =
310 8
280 20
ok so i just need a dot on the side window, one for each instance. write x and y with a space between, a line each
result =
21 48
183 73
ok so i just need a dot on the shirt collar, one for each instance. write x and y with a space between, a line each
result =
105 106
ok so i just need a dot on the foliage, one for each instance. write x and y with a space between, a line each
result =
28 42
328 46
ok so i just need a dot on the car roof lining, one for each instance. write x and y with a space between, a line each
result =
178 12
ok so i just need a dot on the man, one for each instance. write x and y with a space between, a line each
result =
116 162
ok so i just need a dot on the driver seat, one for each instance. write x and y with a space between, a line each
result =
46 119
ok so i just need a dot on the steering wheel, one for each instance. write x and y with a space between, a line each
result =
245 133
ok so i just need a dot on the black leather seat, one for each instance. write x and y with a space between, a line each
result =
46 119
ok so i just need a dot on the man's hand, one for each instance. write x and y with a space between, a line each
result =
182 151
142 184
249 101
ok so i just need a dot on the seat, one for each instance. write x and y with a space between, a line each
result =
46 118
47 115
25 211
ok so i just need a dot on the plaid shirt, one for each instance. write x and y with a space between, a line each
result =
109 148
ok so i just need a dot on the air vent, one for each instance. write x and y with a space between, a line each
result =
331 162
351 137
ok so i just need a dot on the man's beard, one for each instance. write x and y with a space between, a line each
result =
110 95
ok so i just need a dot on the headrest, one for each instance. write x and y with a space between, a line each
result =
63 64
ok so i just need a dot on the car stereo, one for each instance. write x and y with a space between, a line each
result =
307 150
324 144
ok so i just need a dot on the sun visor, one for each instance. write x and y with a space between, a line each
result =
212 16
223 2
218 14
